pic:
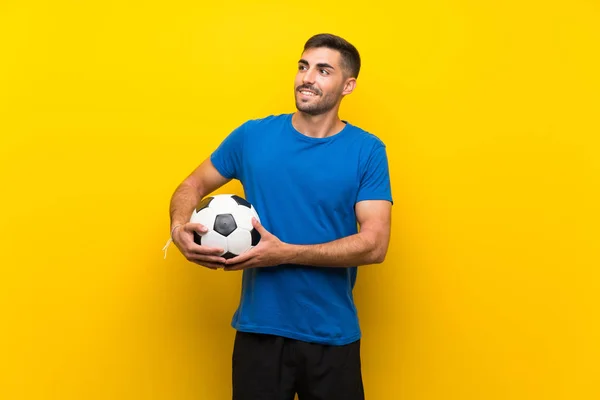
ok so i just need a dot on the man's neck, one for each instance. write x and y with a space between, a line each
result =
317 126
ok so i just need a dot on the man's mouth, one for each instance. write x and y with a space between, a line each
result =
308 92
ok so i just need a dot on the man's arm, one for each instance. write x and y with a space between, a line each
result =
368 246
203 180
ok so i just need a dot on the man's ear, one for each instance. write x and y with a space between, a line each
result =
349 86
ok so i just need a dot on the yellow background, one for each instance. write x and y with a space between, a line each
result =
490 111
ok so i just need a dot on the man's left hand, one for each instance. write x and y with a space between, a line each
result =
267 253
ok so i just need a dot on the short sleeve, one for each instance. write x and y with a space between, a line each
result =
375 179
227 158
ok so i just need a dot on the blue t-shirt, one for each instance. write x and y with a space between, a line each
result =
304 190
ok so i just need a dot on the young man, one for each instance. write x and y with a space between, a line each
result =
311 177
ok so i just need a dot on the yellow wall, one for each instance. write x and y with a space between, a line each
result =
490 111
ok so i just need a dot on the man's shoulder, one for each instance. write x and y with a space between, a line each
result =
269 120
365 137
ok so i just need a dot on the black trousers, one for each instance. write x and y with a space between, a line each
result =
268 367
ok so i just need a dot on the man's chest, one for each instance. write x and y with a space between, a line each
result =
322 174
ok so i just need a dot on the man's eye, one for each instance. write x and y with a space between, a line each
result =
324 72
301 67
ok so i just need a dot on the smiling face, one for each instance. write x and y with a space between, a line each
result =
321 81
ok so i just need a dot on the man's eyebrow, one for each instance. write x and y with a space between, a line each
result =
319 65
324 65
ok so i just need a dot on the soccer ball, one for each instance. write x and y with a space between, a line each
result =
228 219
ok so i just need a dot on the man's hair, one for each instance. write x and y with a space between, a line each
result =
349 54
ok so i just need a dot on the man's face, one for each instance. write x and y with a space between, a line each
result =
320 81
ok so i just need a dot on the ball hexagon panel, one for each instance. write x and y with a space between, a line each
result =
254 213
212 239
243 217
205 216
239 241
223 204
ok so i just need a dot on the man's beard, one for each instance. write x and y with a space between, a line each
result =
326 103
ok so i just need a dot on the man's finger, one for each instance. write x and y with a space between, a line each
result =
258 226
195 227
211 259
205 250
241 258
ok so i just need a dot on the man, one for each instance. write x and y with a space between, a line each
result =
311 177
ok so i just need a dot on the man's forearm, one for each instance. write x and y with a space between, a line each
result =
184 200
359 249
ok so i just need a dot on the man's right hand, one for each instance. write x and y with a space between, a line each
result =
209 257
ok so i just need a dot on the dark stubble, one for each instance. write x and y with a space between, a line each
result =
323 104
